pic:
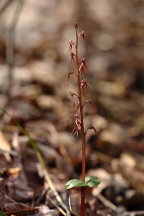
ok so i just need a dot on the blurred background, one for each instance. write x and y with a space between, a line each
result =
34 59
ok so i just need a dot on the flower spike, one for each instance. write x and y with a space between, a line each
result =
79 71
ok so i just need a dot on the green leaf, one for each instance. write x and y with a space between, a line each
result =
92 181
75 183
2 214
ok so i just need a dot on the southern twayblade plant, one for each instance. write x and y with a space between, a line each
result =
79 72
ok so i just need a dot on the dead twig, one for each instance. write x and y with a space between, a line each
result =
106 202
23 212
62 207
133 213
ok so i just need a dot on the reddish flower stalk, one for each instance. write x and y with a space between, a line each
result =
81 68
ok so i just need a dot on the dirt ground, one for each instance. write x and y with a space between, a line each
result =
38 152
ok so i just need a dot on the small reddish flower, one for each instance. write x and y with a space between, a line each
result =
71 43
77 106
69 75
84 63
72 57
82 34
77 126
76 25
84 85
82 67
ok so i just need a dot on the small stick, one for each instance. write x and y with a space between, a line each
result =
106 202
23 212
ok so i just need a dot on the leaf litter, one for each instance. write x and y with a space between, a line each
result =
39 101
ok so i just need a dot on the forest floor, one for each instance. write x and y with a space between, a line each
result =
34 95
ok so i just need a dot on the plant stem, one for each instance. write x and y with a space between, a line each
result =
80 94
82 207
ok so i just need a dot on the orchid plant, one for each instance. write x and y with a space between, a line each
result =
79 71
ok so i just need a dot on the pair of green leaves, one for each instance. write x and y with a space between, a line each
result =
90 181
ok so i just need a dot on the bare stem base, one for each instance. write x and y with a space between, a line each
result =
82 208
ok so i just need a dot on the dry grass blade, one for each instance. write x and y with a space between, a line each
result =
62 208
10 40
